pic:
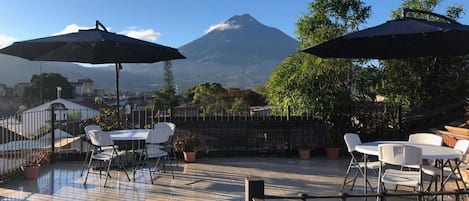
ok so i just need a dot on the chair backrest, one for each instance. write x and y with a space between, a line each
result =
170 124
400 154
351 140
463 146
160 134
91 127
100 138
426 138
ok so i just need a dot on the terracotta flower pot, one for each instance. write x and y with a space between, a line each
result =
332 153
190 157
304 154
31 172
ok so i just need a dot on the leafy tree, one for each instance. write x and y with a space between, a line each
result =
168 87
309 84
166 97
425 82
212 98
44 87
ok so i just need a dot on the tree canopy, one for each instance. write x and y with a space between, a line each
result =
44 88
310 84
420 83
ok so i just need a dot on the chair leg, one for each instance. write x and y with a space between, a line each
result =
88 172
170 165
175 159
346 176
107 172
89 153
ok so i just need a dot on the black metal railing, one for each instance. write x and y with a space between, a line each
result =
23 134
255 191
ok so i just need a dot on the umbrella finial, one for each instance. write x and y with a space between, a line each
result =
98 24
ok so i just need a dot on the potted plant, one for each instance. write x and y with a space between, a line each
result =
333 144
31 169
304 152
188 145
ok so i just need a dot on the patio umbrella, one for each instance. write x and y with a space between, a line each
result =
400 38
94 46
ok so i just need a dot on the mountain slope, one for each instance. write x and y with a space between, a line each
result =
240 53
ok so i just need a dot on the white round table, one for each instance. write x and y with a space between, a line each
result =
429 152
130 134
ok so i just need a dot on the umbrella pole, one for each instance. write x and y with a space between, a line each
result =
118 67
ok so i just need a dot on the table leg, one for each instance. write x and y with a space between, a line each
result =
365 186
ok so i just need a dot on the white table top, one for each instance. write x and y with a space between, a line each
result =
430 152
131 134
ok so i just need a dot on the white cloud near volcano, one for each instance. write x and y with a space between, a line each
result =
6 40
222 26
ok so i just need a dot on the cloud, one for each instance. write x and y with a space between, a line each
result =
6 40
222 26
70 29
142 34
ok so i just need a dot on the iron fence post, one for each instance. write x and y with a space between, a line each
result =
52 129
253 188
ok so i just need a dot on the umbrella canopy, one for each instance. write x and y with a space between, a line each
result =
94 46
400 38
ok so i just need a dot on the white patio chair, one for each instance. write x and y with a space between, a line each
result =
155 141
91 148
169 147
351 140
399 155
426 138
452 170
102 139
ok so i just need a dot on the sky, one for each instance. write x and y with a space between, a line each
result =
168 22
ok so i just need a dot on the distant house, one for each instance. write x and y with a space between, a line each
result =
19 88
185 110
3 89
260 111
83 87
37 120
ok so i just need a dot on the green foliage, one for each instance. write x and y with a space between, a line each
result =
467 108
426 82
213 99
239 107
310 84
188 142
109 120
323 87
73 116
166 97
44 87
327 19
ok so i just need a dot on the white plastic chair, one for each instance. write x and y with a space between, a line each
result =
351 140
452 169
399 155
156 137
169 146
91 148
103 139
426 138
